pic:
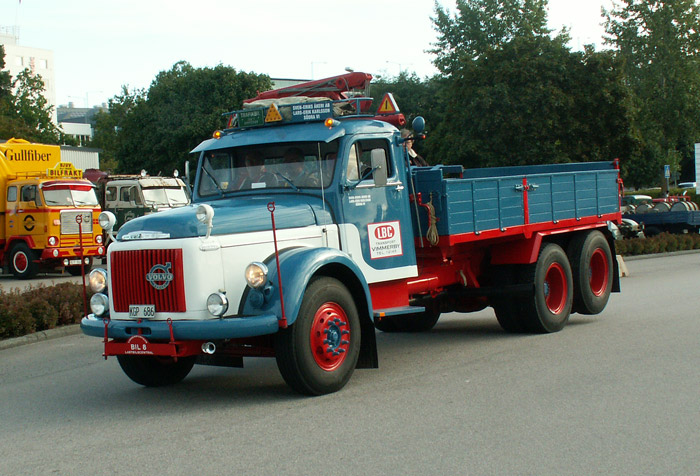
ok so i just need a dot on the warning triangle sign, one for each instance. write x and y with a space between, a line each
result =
273 114
388 105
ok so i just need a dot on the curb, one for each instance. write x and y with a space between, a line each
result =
48 334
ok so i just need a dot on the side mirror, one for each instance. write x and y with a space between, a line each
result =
379 167
418 125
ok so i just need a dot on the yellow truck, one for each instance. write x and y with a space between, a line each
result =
49 212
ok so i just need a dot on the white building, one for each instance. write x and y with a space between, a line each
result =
39 61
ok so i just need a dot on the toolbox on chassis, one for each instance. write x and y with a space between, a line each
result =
309 229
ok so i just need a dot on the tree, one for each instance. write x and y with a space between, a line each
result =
24 111
156 129
533 101
659 43
480 26
415 97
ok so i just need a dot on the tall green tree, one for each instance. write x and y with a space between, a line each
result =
659 42
24 111
414 97
533 101
479 26
156 129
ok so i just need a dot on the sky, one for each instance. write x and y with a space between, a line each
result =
101 45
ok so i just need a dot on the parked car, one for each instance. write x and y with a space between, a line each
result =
688 185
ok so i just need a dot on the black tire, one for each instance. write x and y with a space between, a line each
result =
420 322
508 309
311 363
152 371
592 271
549 308
22 261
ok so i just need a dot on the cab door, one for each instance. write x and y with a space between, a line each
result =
30 216
376 228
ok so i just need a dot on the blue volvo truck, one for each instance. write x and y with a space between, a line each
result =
309 229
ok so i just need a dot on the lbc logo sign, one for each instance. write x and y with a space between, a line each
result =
384 232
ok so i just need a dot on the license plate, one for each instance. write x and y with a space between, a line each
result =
74 262
145 311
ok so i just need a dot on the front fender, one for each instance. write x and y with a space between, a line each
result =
297 267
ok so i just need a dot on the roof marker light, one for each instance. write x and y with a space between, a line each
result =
216 135
331 123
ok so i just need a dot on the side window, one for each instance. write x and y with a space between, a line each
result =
111 194
353 165
360 159
12 194
124 194
28 194
136 195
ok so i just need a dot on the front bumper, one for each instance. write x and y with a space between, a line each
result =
211 329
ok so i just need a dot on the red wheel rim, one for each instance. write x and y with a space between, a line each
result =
330 336
555 288
20 262
598 272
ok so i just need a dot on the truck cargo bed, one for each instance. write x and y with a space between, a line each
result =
473 201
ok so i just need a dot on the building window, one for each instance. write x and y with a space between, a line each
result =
43 64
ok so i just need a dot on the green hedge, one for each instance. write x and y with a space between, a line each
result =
40 308
662 243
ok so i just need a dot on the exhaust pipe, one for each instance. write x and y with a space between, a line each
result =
209 348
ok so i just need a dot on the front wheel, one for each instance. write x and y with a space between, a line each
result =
22 262
318 353
152 371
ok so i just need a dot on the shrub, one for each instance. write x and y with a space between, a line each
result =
661 243
39 308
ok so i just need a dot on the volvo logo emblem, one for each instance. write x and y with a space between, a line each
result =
160 276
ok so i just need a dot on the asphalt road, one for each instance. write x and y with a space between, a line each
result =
615 394
9 282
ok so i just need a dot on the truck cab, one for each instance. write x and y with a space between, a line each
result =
129 198
50 213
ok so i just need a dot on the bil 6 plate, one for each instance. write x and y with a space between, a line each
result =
142 311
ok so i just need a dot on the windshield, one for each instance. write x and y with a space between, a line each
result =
70 197
165 197
297 165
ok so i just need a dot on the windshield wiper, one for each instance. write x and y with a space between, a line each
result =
216 182
289 181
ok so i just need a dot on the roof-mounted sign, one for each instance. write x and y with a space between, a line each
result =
388 105
64 170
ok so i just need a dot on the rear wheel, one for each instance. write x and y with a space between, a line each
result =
549 308
592 270
152 371
318 353
22 262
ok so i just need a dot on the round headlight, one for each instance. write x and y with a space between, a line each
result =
107 220
256 274
98 280
217 304
99 304
53 241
